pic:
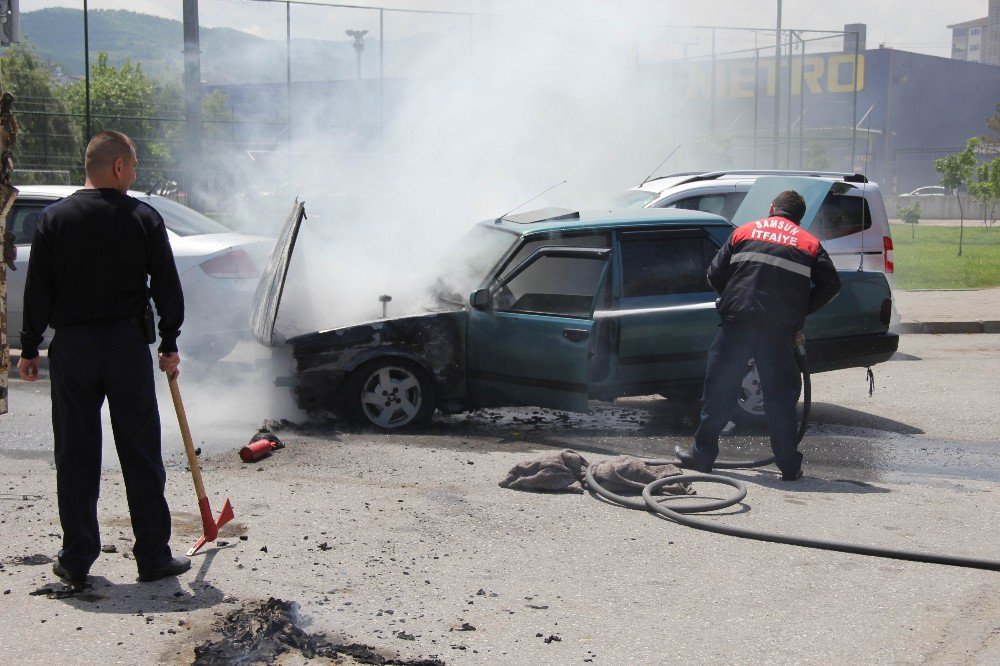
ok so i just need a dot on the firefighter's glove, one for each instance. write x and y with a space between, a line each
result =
9 250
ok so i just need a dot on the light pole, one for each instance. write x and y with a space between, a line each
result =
777 88
359 45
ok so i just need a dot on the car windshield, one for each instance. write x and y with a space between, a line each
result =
470 260
633 199
182 220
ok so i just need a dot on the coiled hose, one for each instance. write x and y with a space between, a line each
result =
680 514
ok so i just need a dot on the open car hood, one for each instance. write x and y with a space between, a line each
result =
758 200
267 299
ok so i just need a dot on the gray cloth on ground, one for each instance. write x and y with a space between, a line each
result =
564 472
559 472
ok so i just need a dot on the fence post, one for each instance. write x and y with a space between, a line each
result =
192 104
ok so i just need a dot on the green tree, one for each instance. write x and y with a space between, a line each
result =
127 100
956 171
986 189
48 140
993 124
910 215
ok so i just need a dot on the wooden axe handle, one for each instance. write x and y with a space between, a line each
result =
175 393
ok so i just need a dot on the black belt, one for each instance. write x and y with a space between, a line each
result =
135 320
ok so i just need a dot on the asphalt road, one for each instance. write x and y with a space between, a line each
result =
404 541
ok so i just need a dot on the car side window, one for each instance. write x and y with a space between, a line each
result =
664 263
562 286
21 220
840 216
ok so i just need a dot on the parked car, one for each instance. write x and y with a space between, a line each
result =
838 224
218 269
564 306
928 191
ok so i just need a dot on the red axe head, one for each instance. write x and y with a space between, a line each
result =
209 525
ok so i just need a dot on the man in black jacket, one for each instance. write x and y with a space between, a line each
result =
90 258
769 275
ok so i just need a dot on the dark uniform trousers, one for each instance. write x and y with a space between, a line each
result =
86 364
773 351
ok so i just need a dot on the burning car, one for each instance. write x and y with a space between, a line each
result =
562 307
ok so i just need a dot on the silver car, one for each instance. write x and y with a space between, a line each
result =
218 269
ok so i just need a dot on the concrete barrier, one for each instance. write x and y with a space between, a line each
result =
936 208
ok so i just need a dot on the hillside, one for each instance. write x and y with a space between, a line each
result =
227 55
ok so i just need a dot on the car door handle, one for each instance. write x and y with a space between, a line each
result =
576 334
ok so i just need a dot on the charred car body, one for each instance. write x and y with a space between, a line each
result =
563 306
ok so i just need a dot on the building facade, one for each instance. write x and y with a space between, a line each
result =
978 40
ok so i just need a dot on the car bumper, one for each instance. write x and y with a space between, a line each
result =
856 351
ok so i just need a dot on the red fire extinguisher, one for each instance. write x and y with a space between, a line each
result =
260 446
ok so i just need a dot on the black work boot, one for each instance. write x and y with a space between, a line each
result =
67 576
690 461
174 567
792 476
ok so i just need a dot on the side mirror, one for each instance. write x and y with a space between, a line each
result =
481 299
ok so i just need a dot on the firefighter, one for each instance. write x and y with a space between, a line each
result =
769 275
90 258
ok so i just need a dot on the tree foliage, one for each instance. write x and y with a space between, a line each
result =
127 100
986 189
956 172
48 140
910 215
993 124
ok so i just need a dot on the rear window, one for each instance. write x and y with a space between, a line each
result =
839 216
182 220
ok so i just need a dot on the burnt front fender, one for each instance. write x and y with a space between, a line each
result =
324 359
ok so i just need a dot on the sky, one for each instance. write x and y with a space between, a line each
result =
919 26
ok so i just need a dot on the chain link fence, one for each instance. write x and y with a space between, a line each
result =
281 82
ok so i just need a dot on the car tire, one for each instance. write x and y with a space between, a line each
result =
390 393
750 408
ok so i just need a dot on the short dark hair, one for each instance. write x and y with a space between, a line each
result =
105 148
792 204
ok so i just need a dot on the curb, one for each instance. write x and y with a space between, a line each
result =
950 327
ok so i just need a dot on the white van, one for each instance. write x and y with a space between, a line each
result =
838 225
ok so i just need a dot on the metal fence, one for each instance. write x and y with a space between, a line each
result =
223 114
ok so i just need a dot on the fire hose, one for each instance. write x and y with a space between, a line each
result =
651 501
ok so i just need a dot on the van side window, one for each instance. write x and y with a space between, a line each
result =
21 221
663 263
840 216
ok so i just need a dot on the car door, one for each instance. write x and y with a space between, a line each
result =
21 220
530 341
665 312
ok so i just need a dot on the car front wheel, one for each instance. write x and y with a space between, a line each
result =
390 393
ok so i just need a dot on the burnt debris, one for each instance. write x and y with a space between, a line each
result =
260 633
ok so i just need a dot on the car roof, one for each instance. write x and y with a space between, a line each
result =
60 191
603 218
660 184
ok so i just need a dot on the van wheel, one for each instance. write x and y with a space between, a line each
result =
390 393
